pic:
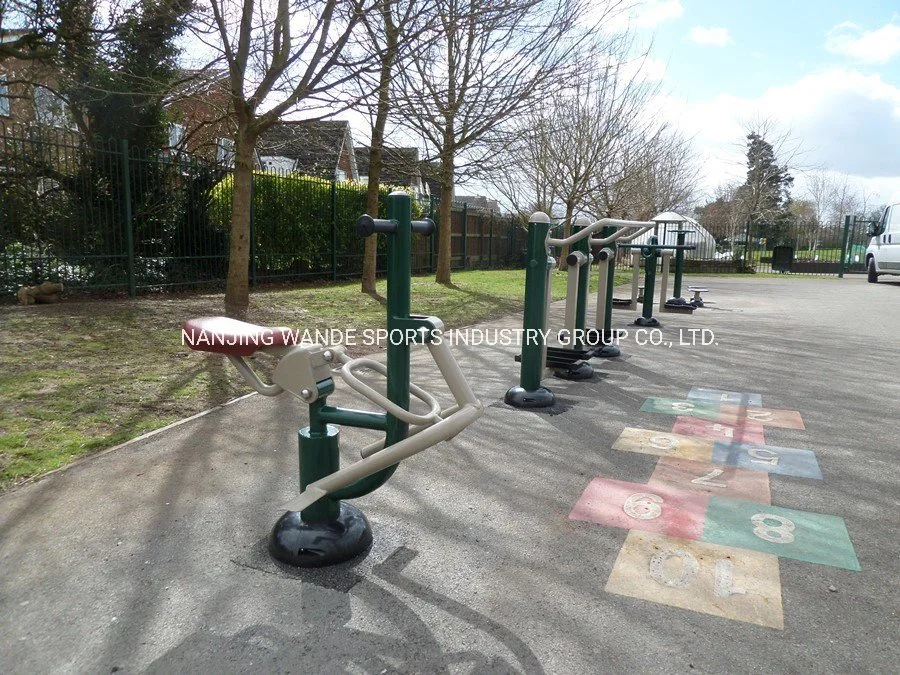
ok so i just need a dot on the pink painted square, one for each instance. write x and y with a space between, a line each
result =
769 417
712 479
746 432
635 506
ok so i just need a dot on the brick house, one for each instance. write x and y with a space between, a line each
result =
202 122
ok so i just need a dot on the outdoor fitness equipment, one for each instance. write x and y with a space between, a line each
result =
535 354
319 528
606 281
650 253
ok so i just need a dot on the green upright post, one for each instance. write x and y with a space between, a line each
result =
129 225
679 265
530 393
399 208
607 331
584 279
650 255
847 222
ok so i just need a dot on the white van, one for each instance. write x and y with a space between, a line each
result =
883 253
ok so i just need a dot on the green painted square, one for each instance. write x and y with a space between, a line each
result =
802 535
679 406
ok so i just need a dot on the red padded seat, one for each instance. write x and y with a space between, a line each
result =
221 335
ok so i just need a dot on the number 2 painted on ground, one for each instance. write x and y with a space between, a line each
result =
708 479
682 406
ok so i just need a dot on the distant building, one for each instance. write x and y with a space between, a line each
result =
479 202
202 120
400 166
315 147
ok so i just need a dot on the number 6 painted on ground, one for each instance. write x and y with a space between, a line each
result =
643 506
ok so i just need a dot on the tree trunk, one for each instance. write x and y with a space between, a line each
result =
445 231
237 288
370 257
567 230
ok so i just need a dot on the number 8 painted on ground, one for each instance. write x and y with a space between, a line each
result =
784 530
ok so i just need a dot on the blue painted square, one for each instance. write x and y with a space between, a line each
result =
771 458
720 396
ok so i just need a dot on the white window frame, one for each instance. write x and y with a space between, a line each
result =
225 151
176 135
44 114
5 104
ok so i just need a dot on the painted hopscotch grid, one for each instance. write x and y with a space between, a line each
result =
731 570
720 396
725 412
749 432
728 582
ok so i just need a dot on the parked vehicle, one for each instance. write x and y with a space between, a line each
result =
883 253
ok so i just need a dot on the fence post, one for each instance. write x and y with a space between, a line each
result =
334 274
747 243
252 229
129 234
847 221
432 239
491 242
465 241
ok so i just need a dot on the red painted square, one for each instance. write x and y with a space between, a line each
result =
727 481
746 432
649 508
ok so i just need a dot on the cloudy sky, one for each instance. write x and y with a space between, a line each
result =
827 70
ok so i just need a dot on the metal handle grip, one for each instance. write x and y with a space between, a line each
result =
366 226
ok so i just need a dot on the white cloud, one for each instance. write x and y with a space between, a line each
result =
714 36
845 120
648 14
646 69
867 46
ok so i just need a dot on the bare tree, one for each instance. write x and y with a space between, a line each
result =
394 29
490 60
281 56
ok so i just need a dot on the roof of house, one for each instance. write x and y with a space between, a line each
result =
479 202
316 145
400 166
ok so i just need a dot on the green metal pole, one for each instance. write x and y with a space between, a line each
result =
610 282
530 393
583 245
679 265
129 225
319 457
399 207
847 222
649 279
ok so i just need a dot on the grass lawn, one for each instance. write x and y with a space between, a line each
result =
85 375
